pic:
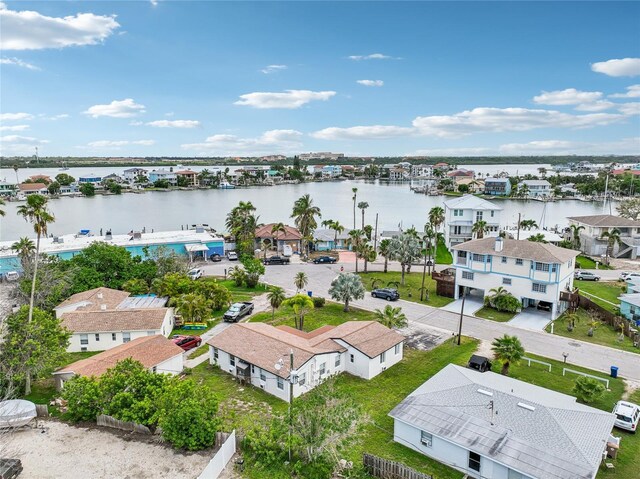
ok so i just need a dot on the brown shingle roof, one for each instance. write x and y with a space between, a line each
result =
149 350
524 249
605 221
290 234
148 319
96 297
31 186
369 337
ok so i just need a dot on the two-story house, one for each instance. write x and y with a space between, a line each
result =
331 171
529 270
497 186
460 215
593 227
132 174
162 174
421 171
535 188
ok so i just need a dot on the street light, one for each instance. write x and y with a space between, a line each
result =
292 377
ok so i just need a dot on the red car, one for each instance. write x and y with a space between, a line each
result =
187 342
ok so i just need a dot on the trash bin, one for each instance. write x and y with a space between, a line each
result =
614 371
310 293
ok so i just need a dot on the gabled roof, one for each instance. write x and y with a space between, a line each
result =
32 186
290 234
533 430
186 172
470 202
149 319
329 235
631 298
149 350
535 182
93 299
605 221
524 249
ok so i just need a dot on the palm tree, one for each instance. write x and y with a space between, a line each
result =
495 293
368 254
241 222
300 281
429 235
538 238
305 214
346 287
15 170
507 349
612 237
528 224
275 297
301 305
25 249
436 217
355 197
2 203
193 307
479 228
276 229
385 251
406 250
392 317
204 177
363 205
575 236
356 238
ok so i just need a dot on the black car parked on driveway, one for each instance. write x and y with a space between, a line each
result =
386 293
324 259
277 260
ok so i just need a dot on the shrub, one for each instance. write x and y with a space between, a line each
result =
136 286
508 303
318 301
84 399
588 389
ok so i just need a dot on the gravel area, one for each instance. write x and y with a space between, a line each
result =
61 450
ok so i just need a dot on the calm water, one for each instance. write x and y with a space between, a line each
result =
394 203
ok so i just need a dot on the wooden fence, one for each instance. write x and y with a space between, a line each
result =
607 316
108 421
385 469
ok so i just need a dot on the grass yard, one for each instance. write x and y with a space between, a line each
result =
203 349
487 312
584 262
330 313
443 255
628 461
411 290
42 391
602 292
604 334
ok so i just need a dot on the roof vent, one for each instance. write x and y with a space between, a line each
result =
103 307
485 392
100 295
526 406
499 244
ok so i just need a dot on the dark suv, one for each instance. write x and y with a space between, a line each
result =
276 260
324 259
386 293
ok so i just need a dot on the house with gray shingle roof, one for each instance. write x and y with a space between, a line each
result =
495 427
592 227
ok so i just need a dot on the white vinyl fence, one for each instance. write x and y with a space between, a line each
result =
220 459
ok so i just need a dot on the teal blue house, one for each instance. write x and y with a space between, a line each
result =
630 307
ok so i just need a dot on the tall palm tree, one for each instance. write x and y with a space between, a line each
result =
346 288
338 228
276 229
391 317
305 214
363 205
537 238
368 254
528 224
429 235
508 350
2 203
613 238
275 297
300 281
479 228
241 222
356 239
193 307
25 249
385 251
301 305
405 249
436 217
575 236
355 197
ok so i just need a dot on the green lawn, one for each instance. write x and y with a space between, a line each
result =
488 312
330 313
203 349
584 262
628 460
604 334
603 290
411 290
42 391
443 255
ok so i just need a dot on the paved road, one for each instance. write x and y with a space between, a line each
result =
581 353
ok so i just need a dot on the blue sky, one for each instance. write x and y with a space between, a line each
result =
178 78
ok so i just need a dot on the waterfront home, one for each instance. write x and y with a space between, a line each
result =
635 171
132 174
421 171
103 299
496 427
594 226
8 189
326 240
535 188
270 158
190 177
399 173
33 188
180 242
156 353
91 179
530 271
475 186
162 174
462 172
40 179
278 240
350 170
111 177
497 186
461 213
321 155
331 171
630 305
260 354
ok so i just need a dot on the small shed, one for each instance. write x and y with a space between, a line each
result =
479 363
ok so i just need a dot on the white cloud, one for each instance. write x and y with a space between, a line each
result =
539 146
374 132
624 67
15 116
19 145
14 128
174 123
570 96
19 63
61 116
289 99
273 69
633 91
372 56
154 2
630 108
370 82
30 30
118 143
136 123
116 109
25 140
599 105
269 141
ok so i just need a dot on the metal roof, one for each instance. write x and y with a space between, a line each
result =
470 202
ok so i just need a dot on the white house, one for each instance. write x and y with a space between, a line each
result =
261 354
592 227
490 426
132 174
156 353
331 171
422 171
531 271
460 215
536 187
162 174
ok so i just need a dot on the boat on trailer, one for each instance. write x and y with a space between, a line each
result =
16 413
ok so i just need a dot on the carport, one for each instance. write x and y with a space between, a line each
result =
196 251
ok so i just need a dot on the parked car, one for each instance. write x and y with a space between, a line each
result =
386 293
545 305
627 416
324 259
232 256
277 260
623 275
215 257
287 251
186 342
632 277
237 311
11 276
195 273
586 276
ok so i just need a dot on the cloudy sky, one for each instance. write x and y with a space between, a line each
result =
181 78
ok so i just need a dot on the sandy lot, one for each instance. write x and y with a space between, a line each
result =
64 451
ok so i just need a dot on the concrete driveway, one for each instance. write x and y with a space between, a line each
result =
531 318
471 305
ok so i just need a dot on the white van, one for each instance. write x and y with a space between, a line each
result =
11 276
287 251
627 416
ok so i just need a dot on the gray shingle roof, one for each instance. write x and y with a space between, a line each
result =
552 437
605 221
524 249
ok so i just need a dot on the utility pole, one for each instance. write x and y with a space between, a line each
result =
519 215
291 379
606 190
375 235
464 295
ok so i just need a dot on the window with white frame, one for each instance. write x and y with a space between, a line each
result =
97 337
426 439
474 461
506 281
280 384
479 215
126 337
263 376
352 358
518 261
478 257
539 288
215 354
382 357
493 213
467 275
113 336
322 369
232 360
504 259
302 378
84 339
554 268
397 348
542 267
338 358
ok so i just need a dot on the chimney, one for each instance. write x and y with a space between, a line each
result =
103 307
100 295
499 244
